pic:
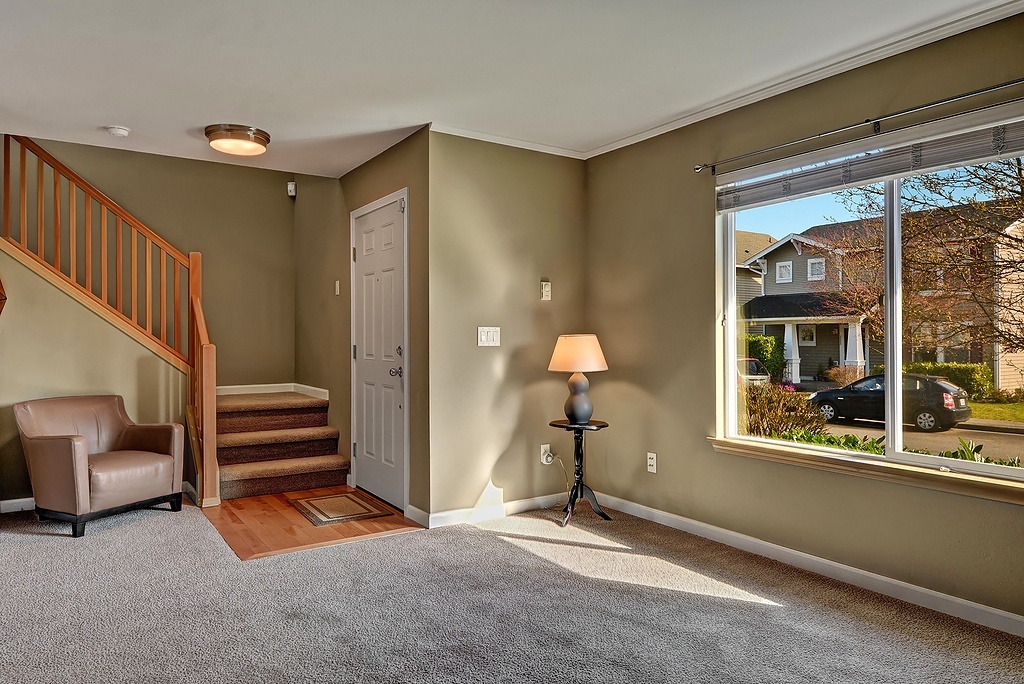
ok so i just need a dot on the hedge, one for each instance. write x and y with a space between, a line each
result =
768 350
975 378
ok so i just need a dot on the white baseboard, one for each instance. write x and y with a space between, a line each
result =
472 515
317 392
927 598
14 505
188 490
417 516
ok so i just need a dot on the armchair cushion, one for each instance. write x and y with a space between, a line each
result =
118 478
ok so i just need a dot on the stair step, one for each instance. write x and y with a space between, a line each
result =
272 445
269 411
285 475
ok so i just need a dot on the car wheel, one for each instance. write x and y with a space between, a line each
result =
828 410
927 421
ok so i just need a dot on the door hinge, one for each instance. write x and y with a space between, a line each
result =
401 205
353 449
353 352
353 254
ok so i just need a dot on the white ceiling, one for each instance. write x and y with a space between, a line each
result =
337 81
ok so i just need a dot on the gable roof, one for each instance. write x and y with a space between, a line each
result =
749 243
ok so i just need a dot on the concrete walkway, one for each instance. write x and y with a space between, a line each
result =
993 426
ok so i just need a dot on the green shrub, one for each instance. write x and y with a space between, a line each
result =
865 444
969 451
768 350
974 378
772 410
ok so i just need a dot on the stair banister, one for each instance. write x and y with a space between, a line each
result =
151 313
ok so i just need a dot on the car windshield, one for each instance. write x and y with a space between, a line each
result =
754 367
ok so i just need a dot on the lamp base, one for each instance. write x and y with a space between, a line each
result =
578 407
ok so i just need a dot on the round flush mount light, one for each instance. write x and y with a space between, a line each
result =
245 141
118 131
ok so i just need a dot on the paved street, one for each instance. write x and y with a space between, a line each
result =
997 444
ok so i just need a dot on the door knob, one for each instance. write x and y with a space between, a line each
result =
395 371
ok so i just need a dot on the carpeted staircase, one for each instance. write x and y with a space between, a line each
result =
276 442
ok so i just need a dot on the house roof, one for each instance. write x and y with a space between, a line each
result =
937 222
749 243
802 305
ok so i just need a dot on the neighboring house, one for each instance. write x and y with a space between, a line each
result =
801 272
749 283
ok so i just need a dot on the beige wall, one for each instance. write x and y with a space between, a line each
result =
322 319
241 221
50 345
406 165
501 219
651 296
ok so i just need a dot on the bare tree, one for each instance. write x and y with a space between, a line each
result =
963 257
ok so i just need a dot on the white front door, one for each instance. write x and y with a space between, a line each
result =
380 367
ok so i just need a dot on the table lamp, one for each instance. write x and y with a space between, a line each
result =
578 354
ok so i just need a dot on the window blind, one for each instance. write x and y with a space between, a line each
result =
881 157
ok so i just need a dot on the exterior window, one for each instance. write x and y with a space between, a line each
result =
815 269
808 335
957 232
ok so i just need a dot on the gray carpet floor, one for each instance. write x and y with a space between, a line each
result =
154 596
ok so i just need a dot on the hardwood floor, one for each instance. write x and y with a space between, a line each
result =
260 526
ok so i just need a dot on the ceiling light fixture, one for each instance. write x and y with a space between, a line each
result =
245 141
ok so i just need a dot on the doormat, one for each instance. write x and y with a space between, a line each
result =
339 508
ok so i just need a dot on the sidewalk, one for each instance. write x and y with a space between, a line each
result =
992 426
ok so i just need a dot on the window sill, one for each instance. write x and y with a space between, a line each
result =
979 486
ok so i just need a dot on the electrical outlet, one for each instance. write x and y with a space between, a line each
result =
652 462
546 457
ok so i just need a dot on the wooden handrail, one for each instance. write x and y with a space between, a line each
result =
144 310
97 195
148 311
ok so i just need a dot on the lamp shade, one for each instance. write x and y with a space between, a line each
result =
245 141
577 354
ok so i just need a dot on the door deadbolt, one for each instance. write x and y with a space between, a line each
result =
395 371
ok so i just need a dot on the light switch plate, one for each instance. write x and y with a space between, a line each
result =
488 337
545 290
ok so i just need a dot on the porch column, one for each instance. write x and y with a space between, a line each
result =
792 352
855 346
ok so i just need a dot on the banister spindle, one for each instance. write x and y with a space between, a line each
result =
177 306
135 274
56 219
88 242
23 203
39 207
119 268
163 295
149 284
103 255
7 186
72 232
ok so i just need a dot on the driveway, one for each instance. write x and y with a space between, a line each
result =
997 444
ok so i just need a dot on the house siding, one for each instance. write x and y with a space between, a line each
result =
748 286
1011 371
787 252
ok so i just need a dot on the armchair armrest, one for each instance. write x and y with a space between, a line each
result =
59 470
166 438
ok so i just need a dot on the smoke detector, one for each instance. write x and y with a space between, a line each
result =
118 131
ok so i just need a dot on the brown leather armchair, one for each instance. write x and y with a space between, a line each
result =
87 459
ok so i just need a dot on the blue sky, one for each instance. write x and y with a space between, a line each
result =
779 220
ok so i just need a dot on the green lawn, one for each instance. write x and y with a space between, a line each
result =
1010 412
